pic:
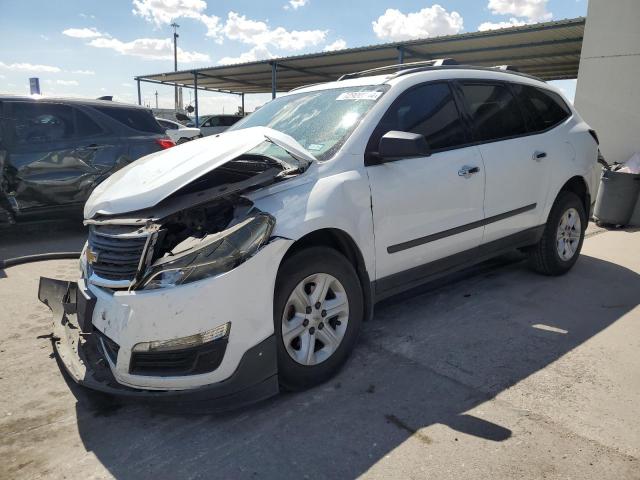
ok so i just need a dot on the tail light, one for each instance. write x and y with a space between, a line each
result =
594 135
165 143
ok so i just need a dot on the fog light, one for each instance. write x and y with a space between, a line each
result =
217 333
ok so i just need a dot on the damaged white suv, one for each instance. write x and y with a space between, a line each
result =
247 261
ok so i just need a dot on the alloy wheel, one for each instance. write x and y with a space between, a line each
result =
315 319
568 234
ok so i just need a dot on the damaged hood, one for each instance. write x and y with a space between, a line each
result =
147 181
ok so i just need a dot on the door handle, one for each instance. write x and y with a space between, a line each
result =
467 171
538 155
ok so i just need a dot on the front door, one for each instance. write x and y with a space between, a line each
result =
428 208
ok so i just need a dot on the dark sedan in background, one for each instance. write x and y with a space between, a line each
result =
54 151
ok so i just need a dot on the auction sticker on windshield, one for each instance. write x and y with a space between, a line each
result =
359 96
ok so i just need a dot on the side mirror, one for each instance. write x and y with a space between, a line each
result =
395 145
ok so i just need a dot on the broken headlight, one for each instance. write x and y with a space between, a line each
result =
212 255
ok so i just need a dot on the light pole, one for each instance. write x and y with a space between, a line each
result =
175 58
156 99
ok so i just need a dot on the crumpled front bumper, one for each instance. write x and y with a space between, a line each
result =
79 348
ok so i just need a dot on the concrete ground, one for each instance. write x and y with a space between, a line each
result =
499 374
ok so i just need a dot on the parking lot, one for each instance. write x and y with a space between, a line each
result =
497 373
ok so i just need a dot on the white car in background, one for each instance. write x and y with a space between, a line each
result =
213 124
178 132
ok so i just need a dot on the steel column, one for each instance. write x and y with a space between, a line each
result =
274 79
195 89
139 94
400 55
242 96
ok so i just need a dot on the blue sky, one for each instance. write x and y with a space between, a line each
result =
90 48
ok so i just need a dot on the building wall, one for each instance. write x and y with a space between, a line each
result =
608 89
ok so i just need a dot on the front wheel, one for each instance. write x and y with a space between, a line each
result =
318 310
560 245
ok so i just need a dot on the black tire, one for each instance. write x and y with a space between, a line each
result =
544 257
182 140
296 376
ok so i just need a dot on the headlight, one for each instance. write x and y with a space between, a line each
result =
216 254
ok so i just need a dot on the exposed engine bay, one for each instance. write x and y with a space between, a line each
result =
201 230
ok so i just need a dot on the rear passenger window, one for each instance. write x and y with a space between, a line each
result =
429 110
136 118
86 126
545 109
494 112
39 122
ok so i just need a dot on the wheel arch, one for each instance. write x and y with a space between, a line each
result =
579 186
343 243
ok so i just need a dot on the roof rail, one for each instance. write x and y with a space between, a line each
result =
106 97
401 66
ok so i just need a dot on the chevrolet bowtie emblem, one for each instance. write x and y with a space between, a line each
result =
92 257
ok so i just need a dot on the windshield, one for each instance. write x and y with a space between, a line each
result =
320 121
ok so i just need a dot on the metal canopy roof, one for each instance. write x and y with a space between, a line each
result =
548 50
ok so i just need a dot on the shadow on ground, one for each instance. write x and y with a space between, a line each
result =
427 358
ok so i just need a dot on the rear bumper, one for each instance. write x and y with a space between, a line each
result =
82 354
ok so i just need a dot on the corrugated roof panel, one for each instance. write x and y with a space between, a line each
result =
549 50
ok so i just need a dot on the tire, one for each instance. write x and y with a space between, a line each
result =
182 140
545 257
296 283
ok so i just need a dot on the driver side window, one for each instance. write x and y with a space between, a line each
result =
429 110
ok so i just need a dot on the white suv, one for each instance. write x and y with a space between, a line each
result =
247 261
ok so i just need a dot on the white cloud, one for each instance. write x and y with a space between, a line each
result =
512 22
127 85
534 10
67 83
85 15
295 4
163 12
337 45
83 72
258 52
82 33
3 76
29 67
428 22
239 27
149 48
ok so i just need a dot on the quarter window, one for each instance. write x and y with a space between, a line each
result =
494 112
545 109
429 110
136 118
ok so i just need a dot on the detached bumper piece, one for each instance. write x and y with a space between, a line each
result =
84 353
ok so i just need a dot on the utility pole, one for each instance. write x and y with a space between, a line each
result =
175 57
156 99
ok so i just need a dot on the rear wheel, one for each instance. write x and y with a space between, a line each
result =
182 140
560 245
318 310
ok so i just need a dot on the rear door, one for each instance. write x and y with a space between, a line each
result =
516 168
54 156
426 208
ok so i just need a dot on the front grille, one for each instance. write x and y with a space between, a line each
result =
115 251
